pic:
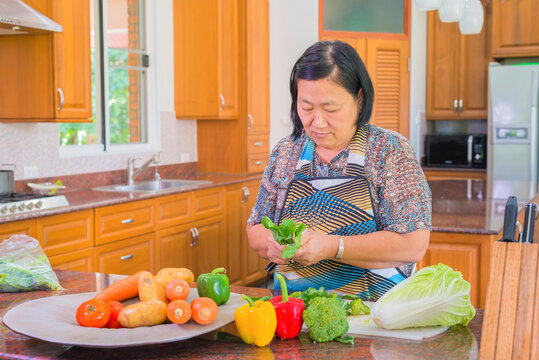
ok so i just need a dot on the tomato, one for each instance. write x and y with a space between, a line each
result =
93 313
179 311
204 310
115 308
177 289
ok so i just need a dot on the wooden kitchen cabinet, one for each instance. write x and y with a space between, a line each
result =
47 77
242 144
457 68
27 227
515 31
250 267
467 253
79 260
127 256
206 59
454 174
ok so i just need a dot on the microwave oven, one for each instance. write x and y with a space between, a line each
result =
462 150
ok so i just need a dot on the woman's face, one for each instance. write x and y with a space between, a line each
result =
328 113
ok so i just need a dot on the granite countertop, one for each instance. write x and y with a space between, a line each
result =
86 198
457 343
476 206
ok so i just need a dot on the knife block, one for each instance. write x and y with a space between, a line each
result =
511 321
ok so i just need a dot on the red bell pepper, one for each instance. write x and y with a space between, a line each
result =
289 312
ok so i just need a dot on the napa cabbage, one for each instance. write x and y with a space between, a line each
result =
435 295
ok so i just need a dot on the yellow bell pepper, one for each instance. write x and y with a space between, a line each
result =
256 321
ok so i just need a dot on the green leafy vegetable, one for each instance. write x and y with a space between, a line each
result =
288 233
357 306
325 319
35 275
435 295
345 339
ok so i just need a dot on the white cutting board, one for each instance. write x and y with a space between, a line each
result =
362 325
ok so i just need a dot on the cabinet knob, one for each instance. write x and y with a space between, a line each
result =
455 105
127 257
250 124
62 99
246 194
128 221
222 98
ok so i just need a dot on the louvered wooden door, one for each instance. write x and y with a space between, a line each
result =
387 63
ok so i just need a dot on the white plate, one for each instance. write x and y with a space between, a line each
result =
53 319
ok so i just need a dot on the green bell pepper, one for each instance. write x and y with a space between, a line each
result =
214 285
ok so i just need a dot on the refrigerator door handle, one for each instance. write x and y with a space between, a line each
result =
470 147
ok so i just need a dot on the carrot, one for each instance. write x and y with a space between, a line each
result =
177 289
179 311
124 289
204 310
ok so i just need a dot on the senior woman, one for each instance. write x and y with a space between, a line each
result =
357 187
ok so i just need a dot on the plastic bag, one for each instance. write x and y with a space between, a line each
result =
24 266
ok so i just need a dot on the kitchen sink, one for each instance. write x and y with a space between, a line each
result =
153 186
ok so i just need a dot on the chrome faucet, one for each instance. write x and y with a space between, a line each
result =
132 173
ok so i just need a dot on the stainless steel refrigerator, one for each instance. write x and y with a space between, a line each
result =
513 142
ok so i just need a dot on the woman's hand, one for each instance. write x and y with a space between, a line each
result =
275 251
316 246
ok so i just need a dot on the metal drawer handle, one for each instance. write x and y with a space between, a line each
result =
250 125
222 98
455 105
460 105
258 162
258 143
194 235
246 194
197 236
128 221
127 257
62 99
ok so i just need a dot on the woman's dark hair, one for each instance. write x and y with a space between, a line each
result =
342 64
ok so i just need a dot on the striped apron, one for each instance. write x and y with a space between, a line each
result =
336 206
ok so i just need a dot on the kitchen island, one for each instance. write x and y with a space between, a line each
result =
457 343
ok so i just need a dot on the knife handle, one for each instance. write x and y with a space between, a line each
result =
529 223
510 219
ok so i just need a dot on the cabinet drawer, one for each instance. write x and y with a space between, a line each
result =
209 202
173 209
63 233
27 227
257 163
127 256
121 221
257 144
80 260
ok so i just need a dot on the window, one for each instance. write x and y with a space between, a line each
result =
119 78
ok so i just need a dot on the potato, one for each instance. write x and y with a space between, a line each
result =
149 289
163 280
144 313
178 273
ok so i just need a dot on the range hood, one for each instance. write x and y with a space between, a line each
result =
16 17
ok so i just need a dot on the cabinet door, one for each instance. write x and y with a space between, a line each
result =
65 233
196 58
208 253
515 31
442 68
473 63
258 67
254 264
27 227
80 260
173 246
127 256
234 242
387 63
228 59
72 63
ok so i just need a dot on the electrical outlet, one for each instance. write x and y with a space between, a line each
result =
30 172
184 157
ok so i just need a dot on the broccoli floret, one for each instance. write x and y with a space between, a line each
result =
357 306
325 319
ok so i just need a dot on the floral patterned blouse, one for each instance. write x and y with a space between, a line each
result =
400 192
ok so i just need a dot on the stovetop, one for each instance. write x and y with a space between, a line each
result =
19 203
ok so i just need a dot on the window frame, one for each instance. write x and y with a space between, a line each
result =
150 110
324 34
